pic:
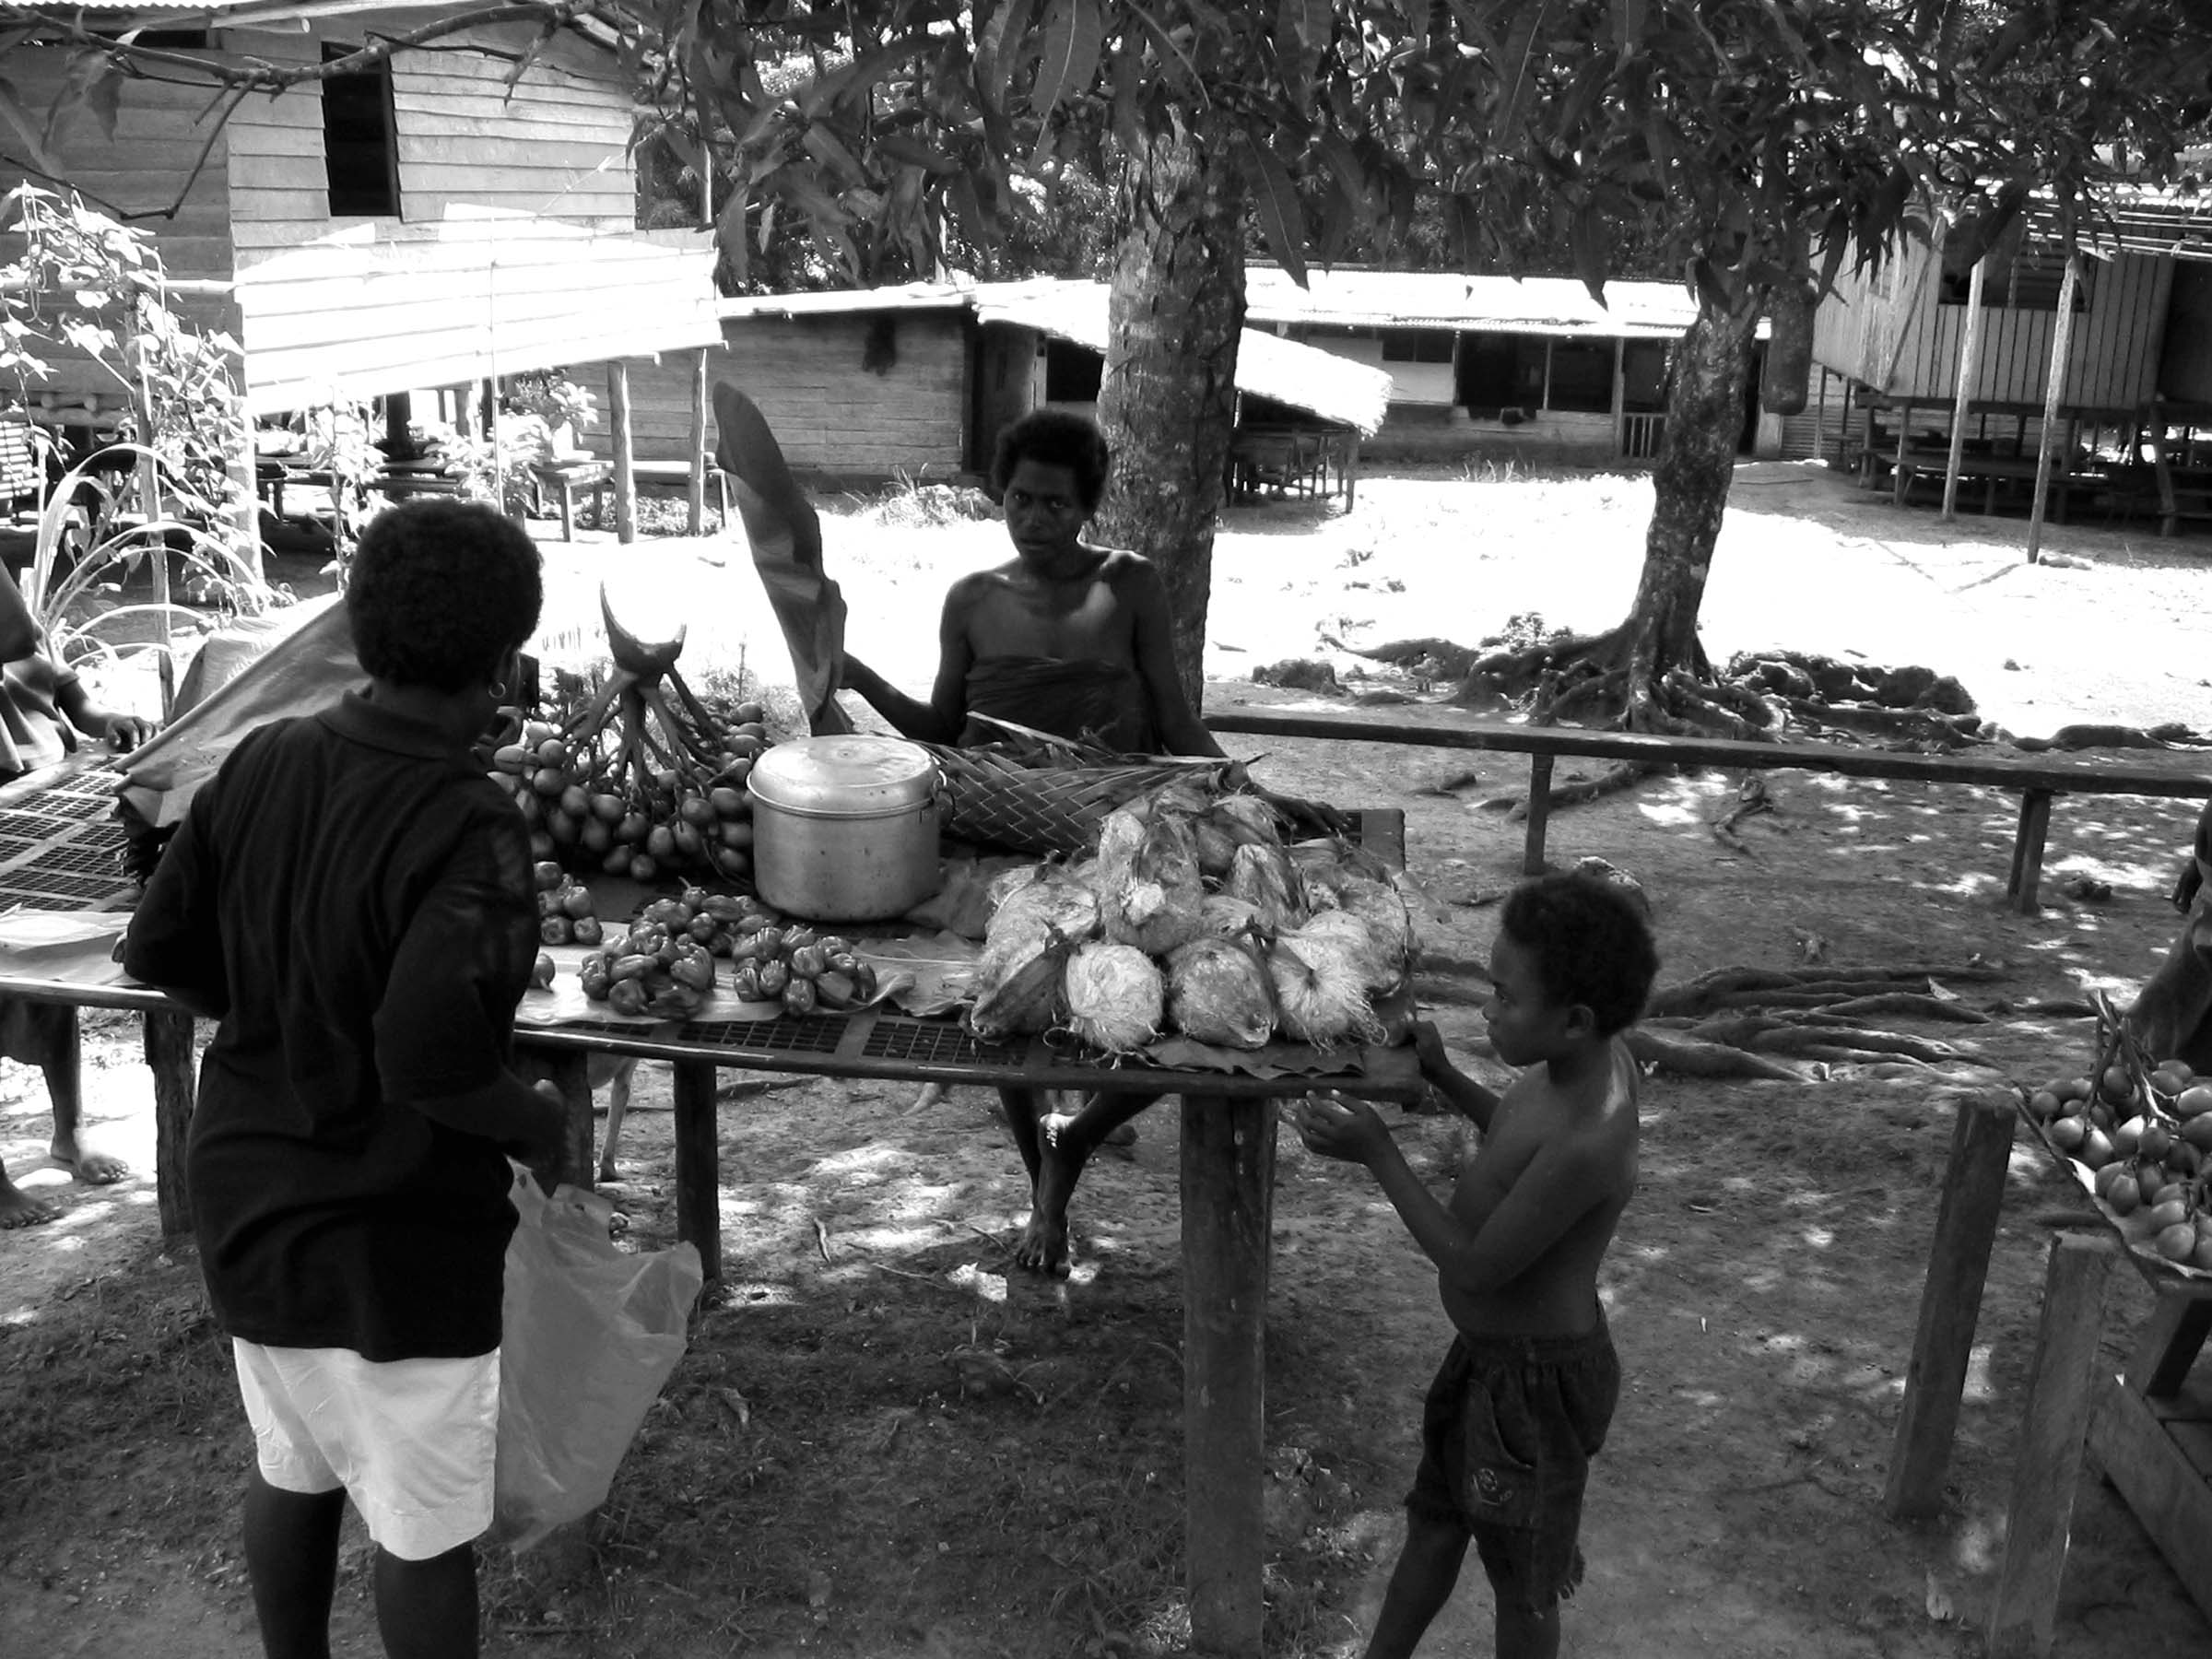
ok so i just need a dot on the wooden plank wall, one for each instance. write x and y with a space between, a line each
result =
515 224
557 146
144 172
831 413
1890 331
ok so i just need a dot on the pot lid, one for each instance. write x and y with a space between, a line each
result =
853 772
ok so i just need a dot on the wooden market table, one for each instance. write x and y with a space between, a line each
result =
59 851
2149 1428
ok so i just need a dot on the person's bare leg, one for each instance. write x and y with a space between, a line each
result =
617 1103
292 1542
1021 1108
58 1059
1523 1634
1421 1584
428 1609
1064 1142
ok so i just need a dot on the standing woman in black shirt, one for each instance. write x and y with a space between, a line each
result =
350 897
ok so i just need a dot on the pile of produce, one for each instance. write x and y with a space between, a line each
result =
1194 916
644 778
2138 1131
677 950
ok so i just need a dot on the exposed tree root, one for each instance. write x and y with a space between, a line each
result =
1685 1057
1741 987
1622 775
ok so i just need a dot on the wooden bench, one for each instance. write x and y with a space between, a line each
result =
2036 779
677 474
563 478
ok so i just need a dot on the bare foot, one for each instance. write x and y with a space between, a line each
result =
19 1209
1043 1246
94 1169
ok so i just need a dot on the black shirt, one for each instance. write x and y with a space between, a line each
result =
355 895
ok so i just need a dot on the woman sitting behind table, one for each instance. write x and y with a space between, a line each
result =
1064 637
1074 640
44 711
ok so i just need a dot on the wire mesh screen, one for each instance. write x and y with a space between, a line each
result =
61 846
894 1038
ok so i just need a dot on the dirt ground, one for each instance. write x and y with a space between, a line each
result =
884 1443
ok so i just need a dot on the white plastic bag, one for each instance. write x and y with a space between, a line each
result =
589 1335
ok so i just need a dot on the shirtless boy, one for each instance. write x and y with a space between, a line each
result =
1070 638
1525 1393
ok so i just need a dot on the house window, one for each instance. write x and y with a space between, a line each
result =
1072 372
359 155
1581 376
1417 344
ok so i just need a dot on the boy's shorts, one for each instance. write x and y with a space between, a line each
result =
1507 1436
410 1440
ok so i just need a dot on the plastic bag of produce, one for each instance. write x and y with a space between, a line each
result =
1320 994
1149 891
1017 983
1378 967
1266 879
1048 899
589 1334
1218 993
1113 995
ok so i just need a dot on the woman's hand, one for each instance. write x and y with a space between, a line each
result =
1335 1128
127 732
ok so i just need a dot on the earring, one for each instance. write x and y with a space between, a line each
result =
499 690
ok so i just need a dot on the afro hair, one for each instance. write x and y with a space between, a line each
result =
1589 942
439 590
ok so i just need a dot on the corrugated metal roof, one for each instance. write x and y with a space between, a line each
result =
1555 305
2172 223
911 296
1301 376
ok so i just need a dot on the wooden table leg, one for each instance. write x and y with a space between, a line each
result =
2153 1441
2062 1391
1539 814
698 1163
1227 1188
1950 1303
168 1046
571 1072
2027 851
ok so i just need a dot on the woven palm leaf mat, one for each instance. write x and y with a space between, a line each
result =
61 844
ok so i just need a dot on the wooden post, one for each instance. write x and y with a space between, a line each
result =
2062 340
1970 366
2027 851
699 442
1950 1303
2061 1395
617 435
1228 1186
1539 814
698 1163
167 1048
2181 1320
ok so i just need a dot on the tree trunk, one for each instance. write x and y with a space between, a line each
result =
1696 460
1168 401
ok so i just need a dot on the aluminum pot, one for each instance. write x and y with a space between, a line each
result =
844 828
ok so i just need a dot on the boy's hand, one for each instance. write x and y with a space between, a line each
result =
1428 1049
1335 1127
545 1154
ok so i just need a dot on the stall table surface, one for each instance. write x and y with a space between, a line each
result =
60 852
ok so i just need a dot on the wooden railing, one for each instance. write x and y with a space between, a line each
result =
1640 435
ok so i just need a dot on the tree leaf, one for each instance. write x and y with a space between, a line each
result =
12 111
1174 63
1074 34
1517 71
1591 243
997 48
1274 201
